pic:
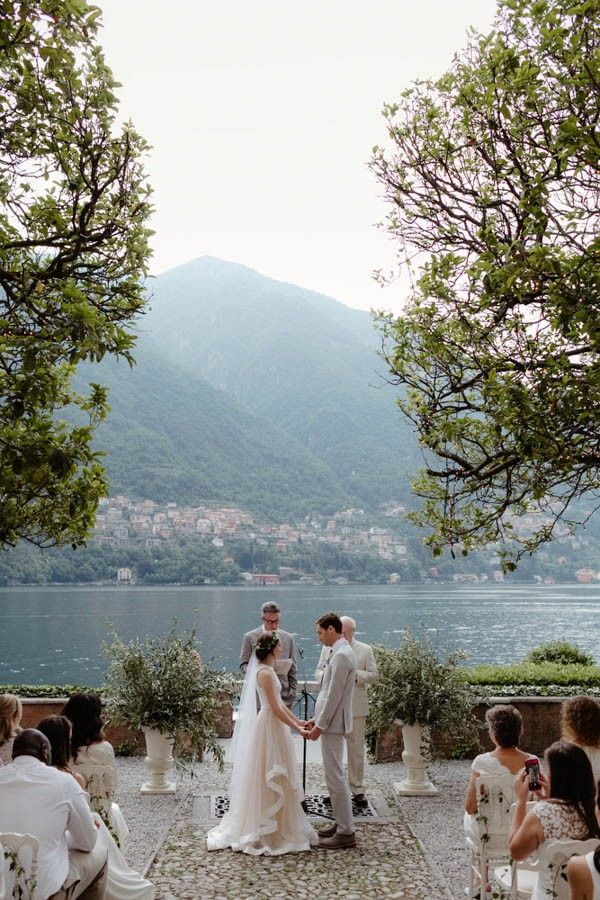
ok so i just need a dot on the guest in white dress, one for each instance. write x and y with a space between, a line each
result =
505 727
88 745
123 882
583 873
580 724
566 810
11 712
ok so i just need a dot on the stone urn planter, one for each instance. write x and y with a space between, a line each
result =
424 690
159 761
416 741
160 686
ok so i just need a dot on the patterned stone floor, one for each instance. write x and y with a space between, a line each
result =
401 851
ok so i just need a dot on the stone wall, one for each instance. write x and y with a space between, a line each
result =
122 738
541 727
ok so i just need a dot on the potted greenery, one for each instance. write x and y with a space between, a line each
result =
421 690
161 686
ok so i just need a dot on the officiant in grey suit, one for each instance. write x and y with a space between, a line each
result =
332 721
270 614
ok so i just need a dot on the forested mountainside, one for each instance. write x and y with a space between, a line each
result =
256 393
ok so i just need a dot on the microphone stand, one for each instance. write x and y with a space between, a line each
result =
304 701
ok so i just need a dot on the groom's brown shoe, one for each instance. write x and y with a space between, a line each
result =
338 842
327 832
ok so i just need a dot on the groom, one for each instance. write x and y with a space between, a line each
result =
332 721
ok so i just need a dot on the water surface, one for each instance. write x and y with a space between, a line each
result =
55 634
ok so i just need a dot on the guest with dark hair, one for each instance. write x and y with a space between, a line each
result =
565 812
123 882
58 731
580 724
505 727
11 712
88 745
84 711
583 872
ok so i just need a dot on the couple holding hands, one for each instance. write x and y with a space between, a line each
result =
265 808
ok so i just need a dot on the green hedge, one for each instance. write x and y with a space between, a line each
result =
535 674
518 680
535 680
46 690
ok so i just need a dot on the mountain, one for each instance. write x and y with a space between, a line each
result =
172 436
303 361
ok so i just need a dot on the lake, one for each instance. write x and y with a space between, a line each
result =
53 635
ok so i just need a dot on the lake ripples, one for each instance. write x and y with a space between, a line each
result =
55 634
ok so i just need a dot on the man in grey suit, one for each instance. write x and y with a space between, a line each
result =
332 722
366 673
271 616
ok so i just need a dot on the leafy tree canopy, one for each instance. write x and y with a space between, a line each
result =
73 252
492 175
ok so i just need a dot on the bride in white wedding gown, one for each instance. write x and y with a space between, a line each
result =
265 814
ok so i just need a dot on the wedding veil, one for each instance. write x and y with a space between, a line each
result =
243 739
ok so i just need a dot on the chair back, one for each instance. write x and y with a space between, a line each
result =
19 869
555 856
495 794
98 782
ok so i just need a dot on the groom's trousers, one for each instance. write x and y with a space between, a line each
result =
332 750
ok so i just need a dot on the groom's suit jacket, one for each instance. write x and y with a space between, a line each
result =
333 709
288 651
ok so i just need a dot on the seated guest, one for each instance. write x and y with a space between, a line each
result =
84 711
580 724
58 731
39 800
11 712
566 810
505 727
123 882
583 872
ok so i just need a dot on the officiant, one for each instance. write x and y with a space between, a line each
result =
285 668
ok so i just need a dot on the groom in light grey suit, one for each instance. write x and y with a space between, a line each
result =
332 721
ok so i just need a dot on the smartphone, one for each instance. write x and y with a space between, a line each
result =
532 768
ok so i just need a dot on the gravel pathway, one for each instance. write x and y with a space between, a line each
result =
419 855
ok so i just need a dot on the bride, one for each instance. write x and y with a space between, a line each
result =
265 814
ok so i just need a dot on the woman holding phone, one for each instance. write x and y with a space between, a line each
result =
565 810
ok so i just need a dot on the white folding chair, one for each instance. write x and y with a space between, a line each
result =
515 880
553 864
494 796
20 860
98 784
551 871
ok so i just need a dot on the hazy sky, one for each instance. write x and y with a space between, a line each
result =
262 115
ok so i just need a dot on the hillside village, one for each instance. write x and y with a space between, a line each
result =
121 521
124 522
